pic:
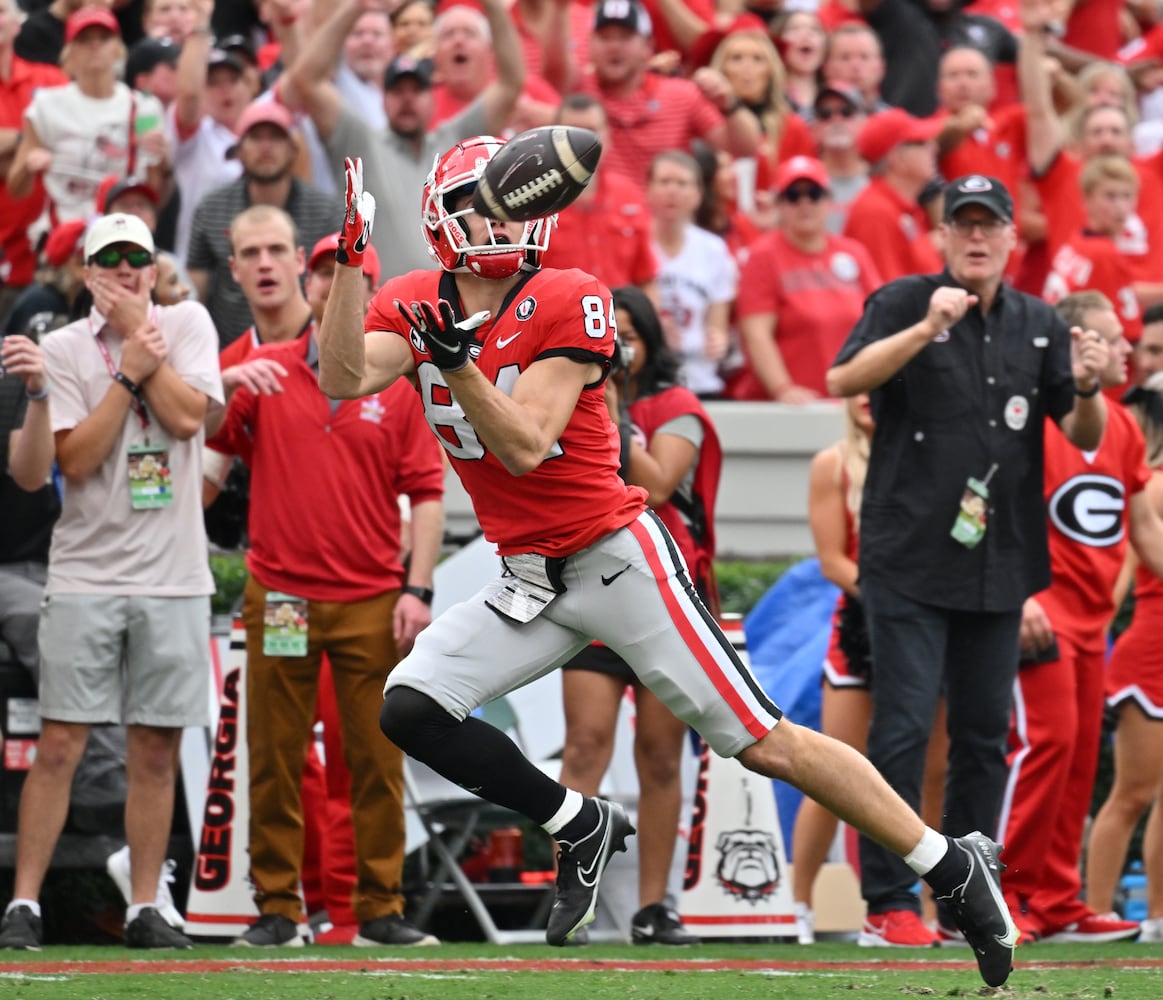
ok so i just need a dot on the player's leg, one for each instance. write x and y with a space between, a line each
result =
1138 781
651 616
466 658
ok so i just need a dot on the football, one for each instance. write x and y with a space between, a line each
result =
537 173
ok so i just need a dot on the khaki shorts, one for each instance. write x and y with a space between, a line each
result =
121 659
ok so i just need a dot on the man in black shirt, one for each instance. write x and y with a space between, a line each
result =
962 372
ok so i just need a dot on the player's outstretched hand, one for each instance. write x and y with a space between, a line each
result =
447 340
358 217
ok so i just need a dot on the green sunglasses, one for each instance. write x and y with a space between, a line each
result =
110 257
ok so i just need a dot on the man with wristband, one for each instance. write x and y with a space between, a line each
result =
124 625
963 373
316 463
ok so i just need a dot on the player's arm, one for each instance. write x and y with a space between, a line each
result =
520 429
351 363
1146 524
828 520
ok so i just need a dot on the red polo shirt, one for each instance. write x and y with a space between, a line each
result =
608 236
325 524
18 263
893 230
663 113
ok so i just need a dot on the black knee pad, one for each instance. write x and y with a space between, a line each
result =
411 719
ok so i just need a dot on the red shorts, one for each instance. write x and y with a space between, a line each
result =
1135 670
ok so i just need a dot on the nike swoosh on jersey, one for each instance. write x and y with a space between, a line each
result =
607 580
506 341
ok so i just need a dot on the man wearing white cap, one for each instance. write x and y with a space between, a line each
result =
126 613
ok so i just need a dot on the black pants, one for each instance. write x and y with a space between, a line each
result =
915 649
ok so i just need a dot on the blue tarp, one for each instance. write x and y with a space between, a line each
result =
787 639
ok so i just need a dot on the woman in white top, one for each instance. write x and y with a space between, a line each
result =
77 134
696 272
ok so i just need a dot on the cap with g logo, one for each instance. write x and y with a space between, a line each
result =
977 189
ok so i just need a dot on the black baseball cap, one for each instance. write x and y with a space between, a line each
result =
977 189
147 54
223 57
404 65
624 13
238 45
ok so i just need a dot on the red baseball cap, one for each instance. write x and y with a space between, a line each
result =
327 246
64 241
883 132
114 186
90 17
703 48
801 168
262 112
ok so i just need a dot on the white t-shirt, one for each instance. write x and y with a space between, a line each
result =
89 138
101 545
200 165
701 275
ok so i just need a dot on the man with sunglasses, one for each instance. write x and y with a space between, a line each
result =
124 624
838 115
962 372
801 289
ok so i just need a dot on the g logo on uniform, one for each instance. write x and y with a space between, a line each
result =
1089 509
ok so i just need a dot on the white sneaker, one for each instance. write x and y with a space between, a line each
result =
117 865
1151 930
805 924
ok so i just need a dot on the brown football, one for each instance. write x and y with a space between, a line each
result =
537 173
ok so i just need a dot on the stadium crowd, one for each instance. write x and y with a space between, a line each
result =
173 176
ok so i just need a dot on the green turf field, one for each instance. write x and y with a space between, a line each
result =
487 972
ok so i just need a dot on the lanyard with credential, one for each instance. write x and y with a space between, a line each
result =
138 403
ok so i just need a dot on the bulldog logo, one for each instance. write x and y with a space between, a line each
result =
748 864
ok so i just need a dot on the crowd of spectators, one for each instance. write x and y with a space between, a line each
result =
766 167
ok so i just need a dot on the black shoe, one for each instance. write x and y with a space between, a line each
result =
579 871
658 924
271 930
21 930
980 910
150 930
392 930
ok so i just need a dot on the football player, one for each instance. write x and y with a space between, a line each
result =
510 361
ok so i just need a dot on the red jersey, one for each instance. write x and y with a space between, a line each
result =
316 463
575 496
1061 196
689 518
997 151
608 236
1095 262
663 113
894 231
816 299
1094 26
17 259
1087 496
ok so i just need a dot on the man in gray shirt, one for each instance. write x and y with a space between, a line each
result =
396 162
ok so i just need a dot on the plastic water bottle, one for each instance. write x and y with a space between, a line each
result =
1133 890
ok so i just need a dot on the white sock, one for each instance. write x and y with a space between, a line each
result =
134 911
932 848
32 904
567 811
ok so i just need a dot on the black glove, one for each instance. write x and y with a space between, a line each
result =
447 340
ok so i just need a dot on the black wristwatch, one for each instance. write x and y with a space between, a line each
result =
1088 393
424 594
